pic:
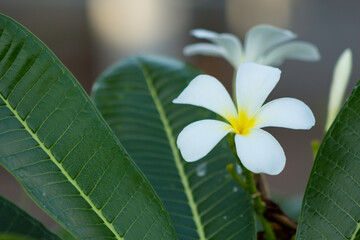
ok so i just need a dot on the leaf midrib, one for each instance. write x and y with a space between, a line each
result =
353 236
63 171
175 151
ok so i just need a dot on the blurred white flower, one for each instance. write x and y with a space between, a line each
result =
264 44
258 151
341 76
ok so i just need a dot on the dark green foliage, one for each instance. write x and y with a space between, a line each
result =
55 142
331 206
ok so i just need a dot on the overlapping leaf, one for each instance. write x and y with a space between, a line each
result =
331 205
54 141
14 221
135 97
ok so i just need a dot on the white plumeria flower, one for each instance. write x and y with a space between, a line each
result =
258 150
264 44
341 77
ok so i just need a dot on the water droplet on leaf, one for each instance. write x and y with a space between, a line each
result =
201 170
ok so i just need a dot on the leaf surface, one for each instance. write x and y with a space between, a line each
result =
15 221
14 237
55 142
331 205
135 97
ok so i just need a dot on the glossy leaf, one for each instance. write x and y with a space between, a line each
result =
331 205
14 221
135 97
55 142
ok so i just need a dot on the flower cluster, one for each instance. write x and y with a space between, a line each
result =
258 150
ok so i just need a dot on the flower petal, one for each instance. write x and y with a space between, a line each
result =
261 38
341 77
203 34
260 152
231 45
297 50
285 112
206 91
254 82
199 138
207 49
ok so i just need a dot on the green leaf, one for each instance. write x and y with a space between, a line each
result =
13 220
55 142
135 97
64 234
14 237
331 205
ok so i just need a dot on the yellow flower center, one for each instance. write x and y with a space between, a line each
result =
242 124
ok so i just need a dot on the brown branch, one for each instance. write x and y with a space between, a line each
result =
284 227
262 186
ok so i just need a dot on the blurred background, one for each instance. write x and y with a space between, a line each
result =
90 35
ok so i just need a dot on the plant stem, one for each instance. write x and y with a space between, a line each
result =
315 145
259 206
250 186
232 171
